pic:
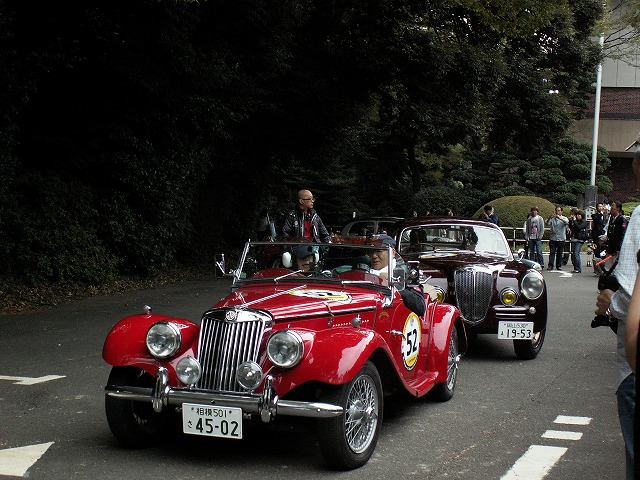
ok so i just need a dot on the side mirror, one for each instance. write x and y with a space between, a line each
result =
413 275
399 278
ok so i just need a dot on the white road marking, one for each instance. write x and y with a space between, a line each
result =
16 461
535 463
568 420
30 380
562 435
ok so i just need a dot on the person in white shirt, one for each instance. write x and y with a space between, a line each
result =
616 305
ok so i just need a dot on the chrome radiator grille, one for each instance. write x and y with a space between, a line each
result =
229 337
474 288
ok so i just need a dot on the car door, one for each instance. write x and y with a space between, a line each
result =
408 339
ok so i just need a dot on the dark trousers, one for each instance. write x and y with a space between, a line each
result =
556 249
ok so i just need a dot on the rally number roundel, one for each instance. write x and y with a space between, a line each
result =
322 294
411 337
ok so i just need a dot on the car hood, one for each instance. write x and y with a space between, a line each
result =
284 301
454 259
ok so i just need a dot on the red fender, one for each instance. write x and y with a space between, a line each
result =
125 344
331 359
444 320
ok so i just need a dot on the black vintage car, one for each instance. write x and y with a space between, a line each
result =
470 265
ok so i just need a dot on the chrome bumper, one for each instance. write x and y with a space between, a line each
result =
266 405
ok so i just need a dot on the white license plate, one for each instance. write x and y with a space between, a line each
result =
212 421
515 330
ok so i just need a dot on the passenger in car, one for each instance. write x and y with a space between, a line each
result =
412 296
301 258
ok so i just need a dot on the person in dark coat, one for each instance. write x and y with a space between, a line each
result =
616 229
598 221
304 222
579 234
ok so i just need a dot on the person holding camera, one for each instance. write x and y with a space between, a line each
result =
615 305
579 234
557 238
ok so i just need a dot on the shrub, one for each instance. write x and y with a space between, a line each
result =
513 210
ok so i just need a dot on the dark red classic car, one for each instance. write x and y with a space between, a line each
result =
324 338
470 264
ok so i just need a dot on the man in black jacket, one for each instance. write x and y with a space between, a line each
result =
616 229
598 221
304 222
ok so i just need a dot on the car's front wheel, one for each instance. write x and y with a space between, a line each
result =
134 424
348 441
529 349
443 391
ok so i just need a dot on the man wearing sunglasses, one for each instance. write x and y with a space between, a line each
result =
304 222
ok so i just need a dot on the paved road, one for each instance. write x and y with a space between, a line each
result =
502 406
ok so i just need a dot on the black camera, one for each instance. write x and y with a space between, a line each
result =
608 281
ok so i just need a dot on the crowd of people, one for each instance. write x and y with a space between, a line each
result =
608 226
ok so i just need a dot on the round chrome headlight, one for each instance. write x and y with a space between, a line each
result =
249 375
188 370
285 348
440 295
532 285
508 296
163 339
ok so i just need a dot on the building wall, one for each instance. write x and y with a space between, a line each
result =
616 73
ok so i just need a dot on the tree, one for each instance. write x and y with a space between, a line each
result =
136 134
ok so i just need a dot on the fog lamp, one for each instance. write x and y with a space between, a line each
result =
249 375
508 296
188 370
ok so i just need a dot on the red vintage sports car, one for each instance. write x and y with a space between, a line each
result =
320 337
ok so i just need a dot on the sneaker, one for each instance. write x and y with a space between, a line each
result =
559 269
550 267
577 271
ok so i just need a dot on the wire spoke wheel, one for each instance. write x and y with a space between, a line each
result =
348 440
362 414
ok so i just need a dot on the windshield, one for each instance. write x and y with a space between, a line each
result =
315 262
424 238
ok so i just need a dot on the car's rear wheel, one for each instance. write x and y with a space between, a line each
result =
348 441
443 391
529 349
134 424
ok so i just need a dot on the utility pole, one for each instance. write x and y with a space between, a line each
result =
591 191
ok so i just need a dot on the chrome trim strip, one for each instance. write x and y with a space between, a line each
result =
267 405
248 404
